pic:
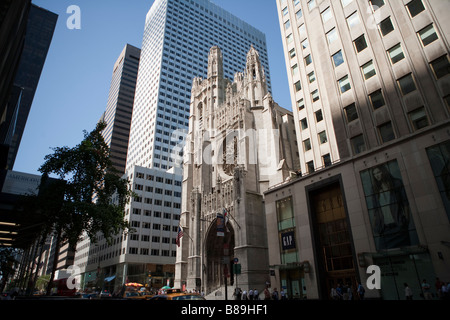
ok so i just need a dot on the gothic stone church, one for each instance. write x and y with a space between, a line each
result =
240 143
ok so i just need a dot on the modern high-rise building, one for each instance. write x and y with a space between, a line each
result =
370 87
120 105
40 28
177 38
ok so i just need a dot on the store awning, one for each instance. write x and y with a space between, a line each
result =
397 252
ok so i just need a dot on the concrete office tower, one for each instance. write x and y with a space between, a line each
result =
118 120
362 73
146 254
177 38
371 88
120 105
240 142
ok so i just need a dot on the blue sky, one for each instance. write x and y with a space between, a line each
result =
74 85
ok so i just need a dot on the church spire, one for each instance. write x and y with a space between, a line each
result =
254 69
215 63
254 78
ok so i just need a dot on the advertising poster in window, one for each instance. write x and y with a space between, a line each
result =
389 210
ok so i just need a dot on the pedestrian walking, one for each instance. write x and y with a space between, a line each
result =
237 293
438 285
408 292
250 294
283 294
349 291
275 295
334 295
344 292
444 291
426 288
255 294
266 293
360 291
339 291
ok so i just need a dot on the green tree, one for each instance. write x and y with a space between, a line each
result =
81 192
7 261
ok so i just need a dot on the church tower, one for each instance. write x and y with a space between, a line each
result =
236 148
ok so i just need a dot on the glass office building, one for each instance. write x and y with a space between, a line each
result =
177 38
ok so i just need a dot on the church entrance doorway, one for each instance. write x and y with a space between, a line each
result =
219 255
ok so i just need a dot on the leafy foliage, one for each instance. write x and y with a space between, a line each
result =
81 191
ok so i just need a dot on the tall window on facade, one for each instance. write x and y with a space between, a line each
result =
415 7
286 231
439 157
386 132
386 26
358 144
441 67
332 238
360 43
427 35
388 207
419 118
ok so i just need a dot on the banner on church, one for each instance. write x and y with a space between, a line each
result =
220 225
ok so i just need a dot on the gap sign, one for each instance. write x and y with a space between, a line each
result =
288 240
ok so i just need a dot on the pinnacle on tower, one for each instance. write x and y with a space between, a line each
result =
215 62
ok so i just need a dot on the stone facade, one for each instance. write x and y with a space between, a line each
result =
377 74
240 142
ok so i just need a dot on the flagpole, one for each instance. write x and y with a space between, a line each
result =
228 213
184 232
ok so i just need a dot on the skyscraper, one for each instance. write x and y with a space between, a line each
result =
363 73
120 105
370 83
39 33
177 38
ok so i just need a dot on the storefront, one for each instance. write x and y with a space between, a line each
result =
293 281
410 266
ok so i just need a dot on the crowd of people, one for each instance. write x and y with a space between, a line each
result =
254 294
345 292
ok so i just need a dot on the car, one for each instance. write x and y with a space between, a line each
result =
89 296
178 296
105 294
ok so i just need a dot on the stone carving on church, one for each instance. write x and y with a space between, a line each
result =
244 161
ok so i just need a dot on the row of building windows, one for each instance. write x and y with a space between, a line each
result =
406 84
427 35
414 7
155 239
166 192
189 27
152 252
157 202
150 177
154 226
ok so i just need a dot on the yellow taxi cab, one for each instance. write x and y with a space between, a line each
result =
135 292
177 294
